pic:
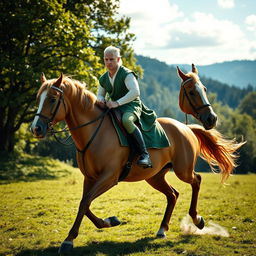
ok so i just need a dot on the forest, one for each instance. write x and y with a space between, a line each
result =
70 38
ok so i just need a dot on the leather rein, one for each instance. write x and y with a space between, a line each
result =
54 111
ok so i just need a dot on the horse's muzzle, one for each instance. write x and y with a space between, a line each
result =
209 120
39 129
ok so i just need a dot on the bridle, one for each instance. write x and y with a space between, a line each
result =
55 107
195 109
54 111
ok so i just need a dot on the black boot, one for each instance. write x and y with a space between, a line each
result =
144 158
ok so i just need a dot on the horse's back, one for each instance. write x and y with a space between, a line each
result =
177 131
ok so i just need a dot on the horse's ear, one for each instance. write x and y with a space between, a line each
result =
181 74
59 81
43 78
194 69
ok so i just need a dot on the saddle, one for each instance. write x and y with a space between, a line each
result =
116 115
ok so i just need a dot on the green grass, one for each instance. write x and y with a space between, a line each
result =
24 167
36 216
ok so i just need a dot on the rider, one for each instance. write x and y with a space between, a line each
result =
123 89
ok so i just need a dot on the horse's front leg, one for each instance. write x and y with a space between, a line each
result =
100 223
91 191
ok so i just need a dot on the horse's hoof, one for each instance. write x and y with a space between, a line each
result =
66 248
160 235
200 225
112 221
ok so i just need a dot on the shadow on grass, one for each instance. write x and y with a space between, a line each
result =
23 167
111 248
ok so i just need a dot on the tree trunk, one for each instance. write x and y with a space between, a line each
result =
7 141
7 132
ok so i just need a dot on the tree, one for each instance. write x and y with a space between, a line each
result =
248 105
243 128
234 124
52 36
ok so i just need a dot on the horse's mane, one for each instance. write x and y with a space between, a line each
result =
72 89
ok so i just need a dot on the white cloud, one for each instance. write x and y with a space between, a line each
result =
226 3
203 29
204 39
149 20
164 32
251 22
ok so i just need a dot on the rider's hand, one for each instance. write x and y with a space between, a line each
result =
112 104
101 103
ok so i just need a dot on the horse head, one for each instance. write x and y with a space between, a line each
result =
51 108
193 99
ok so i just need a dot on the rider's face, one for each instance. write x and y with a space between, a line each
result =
111 62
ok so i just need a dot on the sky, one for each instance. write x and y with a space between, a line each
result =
202 32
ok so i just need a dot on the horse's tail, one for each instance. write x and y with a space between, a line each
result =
217 150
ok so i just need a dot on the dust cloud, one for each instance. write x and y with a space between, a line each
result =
188 228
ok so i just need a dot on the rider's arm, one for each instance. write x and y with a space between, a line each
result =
133 90
101 94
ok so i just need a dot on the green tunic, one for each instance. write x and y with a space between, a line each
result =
152 131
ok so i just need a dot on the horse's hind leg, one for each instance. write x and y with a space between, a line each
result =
159 183
198 220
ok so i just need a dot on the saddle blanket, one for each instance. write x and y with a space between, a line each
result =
154 138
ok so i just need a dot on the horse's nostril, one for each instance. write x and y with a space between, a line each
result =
37 129
209 119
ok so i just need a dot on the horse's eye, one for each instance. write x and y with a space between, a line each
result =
52 100
192 93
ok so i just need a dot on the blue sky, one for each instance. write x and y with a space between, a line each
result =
200 31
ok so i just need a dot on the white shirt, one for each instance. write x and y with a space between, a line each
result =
131 84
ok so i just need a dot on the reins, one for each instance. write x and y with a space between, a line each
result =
53 132
101 116
54 112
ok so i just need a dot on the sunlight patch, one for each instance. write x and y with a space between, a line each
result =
188 227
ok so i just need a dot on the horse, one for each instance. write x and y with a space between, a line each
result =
101 158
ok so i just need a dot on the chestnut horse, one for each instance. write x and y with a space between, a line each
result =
101 158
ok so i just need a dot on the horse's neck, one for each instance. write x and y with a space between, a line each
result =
78 116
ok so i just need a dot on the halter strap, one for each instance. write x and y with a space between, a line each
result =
50 119
57 89
195 109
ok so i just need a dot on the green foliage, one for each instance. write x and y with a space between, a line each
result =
248 105
159 87
23 167
56 150
52 36
242 127
36 217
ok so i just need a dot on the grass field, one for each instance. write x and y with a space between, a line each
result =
36 216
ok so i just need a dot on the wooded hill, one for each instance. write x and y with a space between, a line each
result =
160 86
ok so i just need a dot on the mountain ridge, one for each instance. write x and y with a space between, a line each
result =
238 73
